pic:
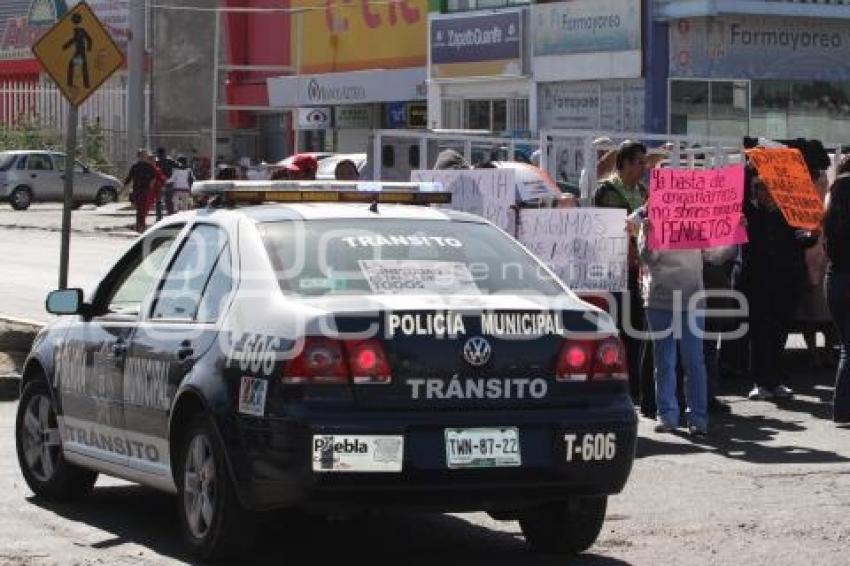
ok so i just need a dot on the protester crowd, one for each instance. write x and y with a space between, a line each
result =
787 275
780 270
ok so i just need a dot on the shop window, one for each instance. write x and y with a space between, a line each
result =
500 116
689 107
478 115
770 103
388 156
413 156
729 109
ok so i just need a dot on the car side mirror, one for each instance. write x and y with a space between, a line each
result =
65 301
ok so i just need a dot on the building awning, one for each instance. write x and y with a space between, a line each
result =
666 10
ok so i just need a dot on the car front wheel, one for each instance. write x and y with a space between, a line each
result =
21 198
564 527
39 447
215 525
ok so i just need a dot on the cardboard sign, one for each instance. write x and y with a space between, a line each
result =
786 176
696 209
587 248
490 193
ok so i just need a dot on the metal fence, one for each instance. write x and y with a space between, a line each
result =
43 105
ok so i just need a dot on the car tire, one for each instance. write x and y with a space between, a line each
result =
105 195
39 447
564 527
214 524
20 198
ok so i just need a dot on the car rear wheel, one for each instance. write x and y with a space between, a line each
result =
106 195
215 525
21 198
39 447
564 527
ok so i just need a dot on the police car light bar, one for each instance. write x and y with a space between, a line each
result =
258 192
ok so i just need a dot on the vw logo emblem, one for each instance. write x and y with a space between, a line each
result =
477 351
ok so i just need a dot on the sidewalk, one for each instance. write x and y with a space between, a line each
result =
113 219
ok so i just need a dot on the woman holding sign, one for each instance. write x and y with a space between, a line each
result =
837 232
773 278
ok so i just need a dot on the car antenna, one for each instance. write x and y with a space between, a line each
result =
374 207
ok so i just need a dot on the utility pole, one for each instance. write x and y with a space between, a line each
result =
136 81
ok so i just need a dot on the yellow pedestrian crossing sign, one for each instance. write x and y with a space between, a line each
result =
78 53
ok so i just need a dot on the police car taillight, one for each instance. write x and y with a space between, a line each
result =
575 360
597 360
322 360
328 361
610 360
368 362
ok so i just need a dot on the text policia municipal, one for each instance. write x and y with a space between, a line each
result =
492 324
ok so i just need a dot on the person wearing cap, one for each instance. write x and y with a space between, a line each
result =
181 180
302 168
625 189
604 164
451 159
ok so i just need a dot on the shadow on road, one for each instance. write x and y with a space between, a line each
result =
134 514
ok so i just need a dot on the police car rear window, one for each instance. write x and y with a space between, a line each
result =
323 257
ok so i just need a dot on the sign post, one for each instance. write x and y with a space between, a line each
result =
79 55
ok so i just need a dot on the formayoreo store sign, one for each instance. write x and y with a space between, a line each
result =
736 47
586 26
587 40
359 87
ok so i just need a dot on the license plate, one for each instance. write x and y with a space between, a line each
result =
482 447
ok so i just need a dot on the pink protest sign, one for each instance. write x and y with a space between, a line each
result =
696 209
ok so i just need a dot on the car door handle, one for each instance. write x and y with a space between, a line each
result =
185 350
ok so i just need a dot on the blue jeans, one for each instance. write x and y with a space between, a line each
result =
665 334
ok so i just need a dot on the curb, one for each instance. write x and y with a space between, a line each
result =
10 387
17 334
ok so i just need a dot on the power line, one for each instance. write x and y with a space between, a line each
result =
247 10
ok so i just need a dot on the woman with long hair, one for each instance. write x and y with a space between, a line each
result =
836 226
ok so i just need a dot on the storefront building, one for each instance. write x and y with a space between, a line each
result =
773 69
354 68
479 72
588 65
336 111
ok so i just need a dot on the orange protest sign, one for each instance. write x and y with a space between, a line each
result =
786 176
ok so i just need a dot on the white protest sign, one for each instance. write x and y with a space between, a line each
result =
490 193
586 247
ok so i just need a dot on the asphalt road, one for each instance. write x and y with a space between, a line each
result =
30 266
770 486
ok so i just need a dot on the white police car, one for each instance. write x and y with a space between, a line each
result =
336 350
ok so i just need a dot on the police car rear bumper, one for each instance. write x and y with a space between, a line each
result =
280 472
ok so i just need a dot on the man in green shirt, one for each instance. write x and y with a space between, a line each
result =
625 189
